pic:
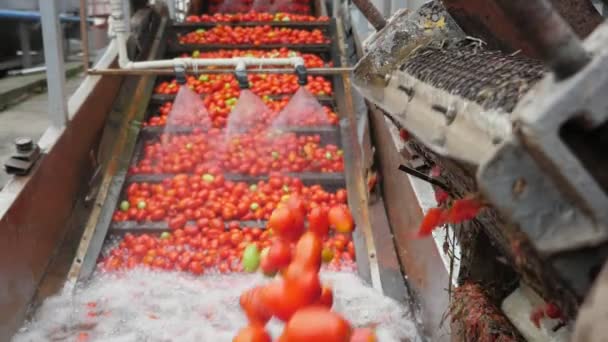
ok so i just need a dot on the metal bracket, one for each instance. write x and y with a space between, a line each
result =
302 75
549 177
25 156
180 73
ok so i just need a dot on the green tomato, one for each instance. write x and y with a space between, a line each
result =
227 85
251 258
124 205
285 189
286 19
200 31
165 235
253 188
196 53
203 78
292 54
254 206
328 155
275 155
141 205
321 93
208 178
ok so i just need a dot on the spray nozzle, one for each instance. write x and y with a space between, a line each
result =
180 73
302 74
241 75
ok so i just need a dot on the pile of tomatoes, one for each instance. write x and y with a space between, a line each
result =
258 35
207 194
217 117
297 297
210 245
254 16
261 84
250 153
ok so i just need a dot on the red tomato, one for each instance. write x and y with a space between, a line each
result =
279 254
285 225
317 323
304 281
318 221
308 251
252 333
327 297
253 307
281 301
341 219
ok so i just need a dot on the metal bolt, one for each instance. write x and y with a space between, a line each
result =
24 144
519 186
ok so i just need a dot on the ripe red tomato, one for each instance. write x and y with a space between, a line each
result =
308 251
285 224
341 219
253 306
252 333
281 301
279 254
304 281
318 221
327 297
317 323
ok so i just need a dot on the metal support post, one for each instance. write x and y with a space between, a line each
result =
24 42
53 58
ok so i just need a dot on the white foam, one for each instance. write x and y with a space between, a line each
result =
143 305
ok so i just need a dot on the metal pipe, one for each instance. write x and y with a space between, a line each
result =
35 16
371 13
84 34
120 31
146 72
558 45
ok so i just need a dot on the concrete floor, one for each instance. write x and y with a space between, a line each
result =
28 118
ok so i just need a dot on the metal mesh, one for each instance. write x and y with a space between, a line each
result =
490 78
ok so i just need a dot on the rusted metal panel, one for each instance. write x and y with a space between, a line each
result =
35 223
420 259
485 20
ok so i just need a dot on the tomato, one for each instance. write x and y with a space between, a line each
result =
341 219
318 222
317 323
308 251
196 268
285 224
304 281
281 301
252 333
252 305
327 297
279 254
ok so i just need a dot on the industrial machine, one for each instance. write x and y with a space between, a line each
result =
495 102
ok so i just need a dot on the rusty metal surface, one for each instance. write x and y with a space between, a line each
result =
36 222
117 160
556 43
420 259
485 20
357 191
371 13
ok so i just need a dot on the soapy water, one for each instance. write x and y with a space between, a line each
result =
144 305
